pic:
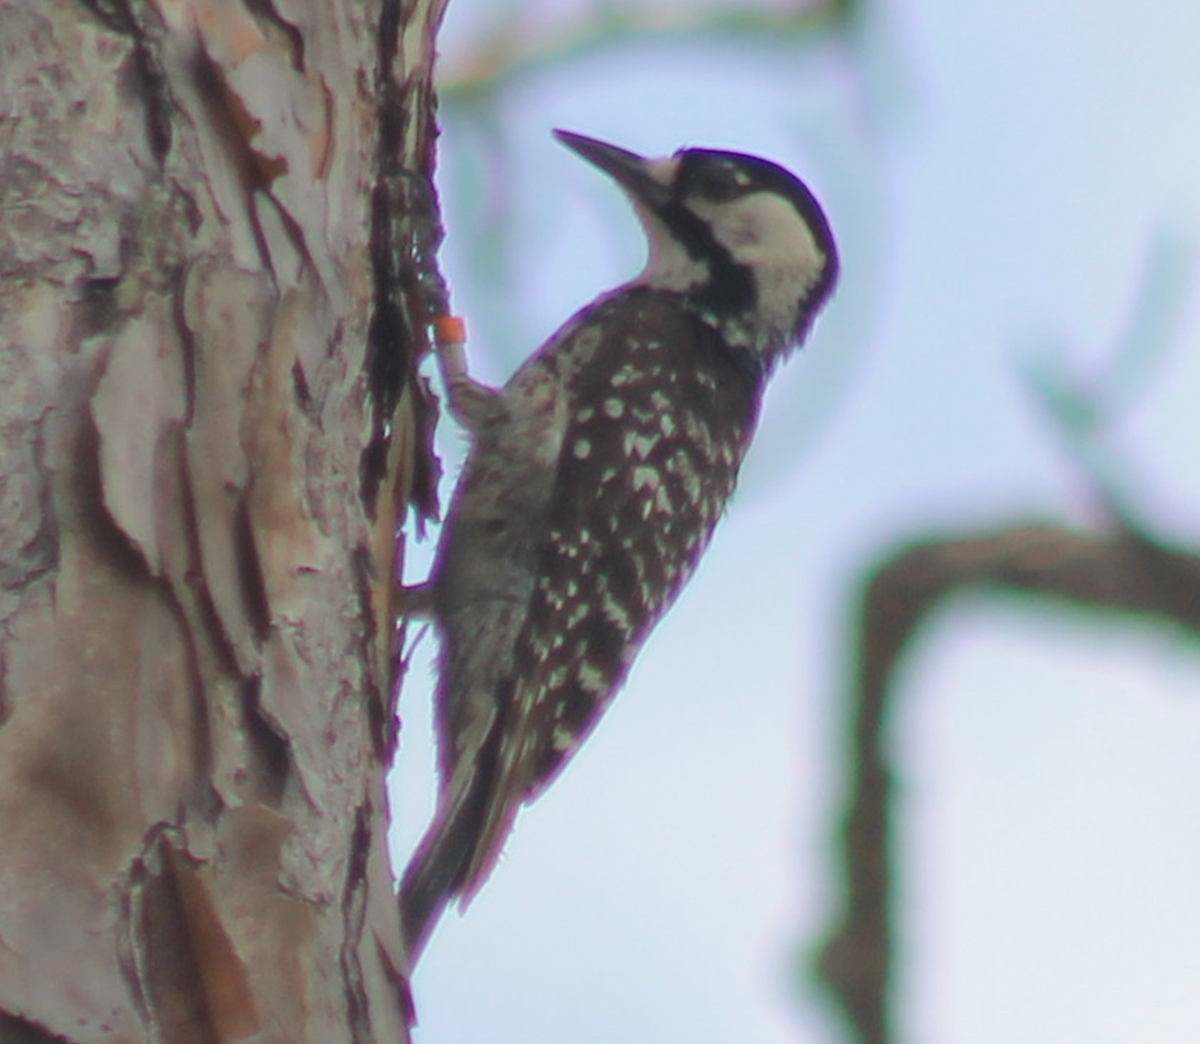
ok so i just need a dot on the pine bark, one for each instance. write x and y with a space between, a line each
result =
198 396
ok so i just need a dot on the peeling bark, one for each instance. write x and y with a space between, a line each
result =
195 620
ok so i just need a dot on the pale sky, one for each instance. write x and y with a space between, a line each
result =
995 180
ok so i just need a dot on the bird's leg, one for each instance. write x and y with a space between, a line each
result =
473 405
470 402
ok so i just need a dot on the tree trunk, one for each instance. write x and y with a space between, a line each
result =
202 374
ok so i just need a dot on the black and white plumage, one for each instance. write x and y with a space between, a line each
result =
593 483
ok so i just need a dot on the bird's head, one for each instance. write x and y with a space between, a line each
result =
743 240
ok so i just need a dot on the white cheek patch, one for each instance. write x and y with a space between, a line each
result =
767 233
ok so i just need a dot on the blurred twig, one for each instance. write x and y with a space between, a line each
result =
520 44
1083 413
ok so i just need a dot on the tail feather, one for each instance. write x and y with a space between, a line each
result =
434 875
456 855
477 805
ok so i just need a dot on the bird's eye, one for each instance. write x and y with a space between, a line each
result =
718 183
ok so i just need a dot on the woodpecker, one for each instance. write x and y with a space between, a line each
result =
593 482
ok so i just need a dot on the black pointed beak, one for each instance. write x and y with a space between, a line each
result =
629 170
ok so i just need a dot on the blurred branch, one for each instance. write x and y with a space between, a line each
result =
1125 571
518 45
